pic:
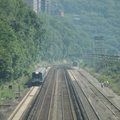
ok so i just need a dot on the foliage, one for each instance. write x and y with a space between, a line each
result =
25 39
63 40
8 94
108 70
20 38
97 18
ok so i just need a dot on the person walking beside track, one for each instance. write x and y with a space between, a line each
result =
102 84
107 83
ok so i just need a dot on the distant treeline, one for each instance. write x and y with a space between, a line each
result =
96 18
63 39
27 38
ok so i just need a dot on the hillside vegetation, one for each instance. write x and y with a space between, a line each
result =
107 70
96 18
20 39
63 39
27 38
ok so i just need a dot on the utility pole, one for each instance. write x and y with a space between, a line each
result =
98 41
98 48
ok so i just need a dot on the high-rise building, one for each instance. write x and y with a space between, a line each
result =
40 5
48 6
35 7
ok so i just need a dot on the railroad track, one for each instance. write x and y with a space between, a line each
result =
68 112
65 95
24 104
103 107
85 109
41 108
103 98
54 100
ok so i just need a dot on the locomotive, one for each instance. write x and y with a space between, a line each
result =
38 76
75 63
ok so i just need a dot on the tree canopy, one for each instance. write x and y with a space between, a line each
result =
63 39
96 18
20 38
26 38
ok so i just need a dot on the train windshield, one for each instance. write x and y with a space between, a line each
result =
36 75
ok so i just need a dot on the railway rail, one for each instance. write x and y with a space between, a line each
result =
87 111
104 108
54 100
106 101
40 109
66 94
67 108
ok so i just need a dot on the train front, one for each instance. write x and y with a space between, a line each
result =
36 78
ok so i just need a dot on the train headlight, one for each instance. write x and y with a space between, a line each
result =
36 72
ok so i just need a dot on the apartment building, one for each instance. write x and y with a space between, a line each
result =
40 5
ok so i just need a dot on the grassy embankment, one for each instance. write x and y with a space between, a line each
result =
6 93
17 85
114 82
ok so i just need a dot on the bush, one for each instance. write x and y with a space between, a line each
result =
7 94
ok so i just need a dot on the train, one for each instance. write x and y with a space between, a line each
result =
38 76
75 63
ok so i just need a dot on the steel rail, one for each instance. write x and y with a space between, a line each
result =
32 108
96 114
50 91
51 103
69 96
36 112
116 109
78 106
62 106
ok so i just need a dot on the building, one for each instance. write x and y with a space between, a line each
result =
35 7
40 5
